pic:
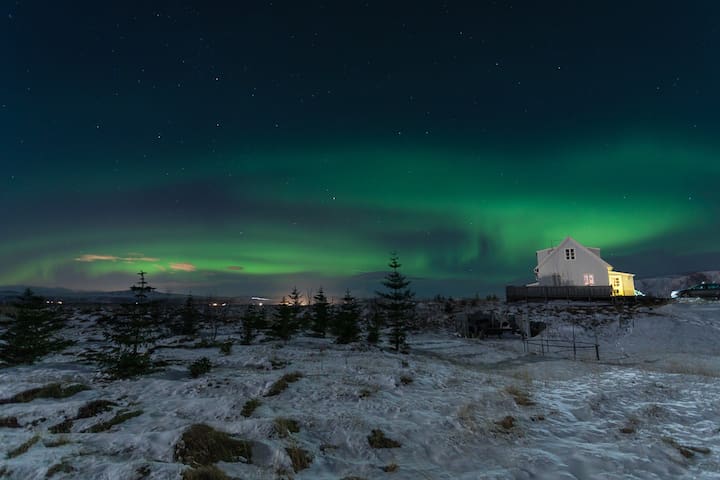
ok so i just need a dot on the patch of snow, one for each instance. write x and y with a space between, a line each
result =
655 387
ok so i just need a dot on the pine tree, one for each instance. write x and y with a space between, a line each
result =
132 336
346 320
298 320
252 320
261 323
397 302
31 335
141 290
284 325
188 319
375 322
320 313
161 316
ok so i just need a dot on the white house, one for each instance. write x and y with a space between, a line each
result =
572 264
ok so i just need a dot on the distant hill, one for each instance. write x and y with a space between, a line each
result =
662 286
10 293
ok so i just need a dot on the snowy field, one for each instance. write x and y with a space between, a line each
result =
460 408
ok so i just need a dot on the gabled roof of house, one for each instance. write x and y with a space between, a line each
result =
575 244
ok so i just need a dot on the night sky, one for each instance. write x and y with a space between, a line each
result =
242 148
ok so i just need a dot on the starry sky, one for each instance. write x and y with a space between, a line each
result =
242 148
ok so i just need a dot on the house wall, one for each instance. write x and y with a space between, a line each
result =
623 284
558 270
541 254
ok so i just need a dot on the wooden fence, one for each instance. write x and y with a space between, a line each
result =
555 346
545 293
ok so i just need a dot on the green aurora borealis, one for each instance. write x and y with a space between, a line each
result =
183 176
453 214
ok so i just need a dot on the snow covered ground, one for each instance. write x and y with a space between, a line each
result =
460 408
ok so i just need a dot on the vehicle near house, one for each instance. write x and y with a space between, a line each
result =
481 324
702 290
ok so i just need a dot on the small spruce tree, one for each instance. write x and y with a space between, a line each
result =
320 313
132 336
188 318
284 325
375 322
397 303
31 335
298 320
261 323
251 322
346 320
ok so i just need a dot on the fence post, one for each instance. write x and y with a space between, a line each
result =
574 351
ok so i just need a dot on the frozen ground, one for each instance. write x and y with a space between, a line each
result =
461 408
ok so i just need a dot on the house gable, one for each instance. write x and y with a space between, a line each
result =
571 263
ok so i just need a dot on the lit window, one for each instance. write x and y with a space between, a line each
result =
589 279
569 254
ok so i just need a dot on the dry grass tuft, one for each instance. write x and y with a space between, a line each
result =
277 364
406 379
377 439
61 467
9 422
368 391
391 468
226 347
52 390
117 419
687 451
286 426
143 471
94 407
57 442
630 426
521 397
280 385
199 367
63 427
207 472
301 459
16 452
250 407
506 423
203 445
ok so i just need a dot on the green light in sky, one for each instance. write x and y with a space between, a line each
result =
450 212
